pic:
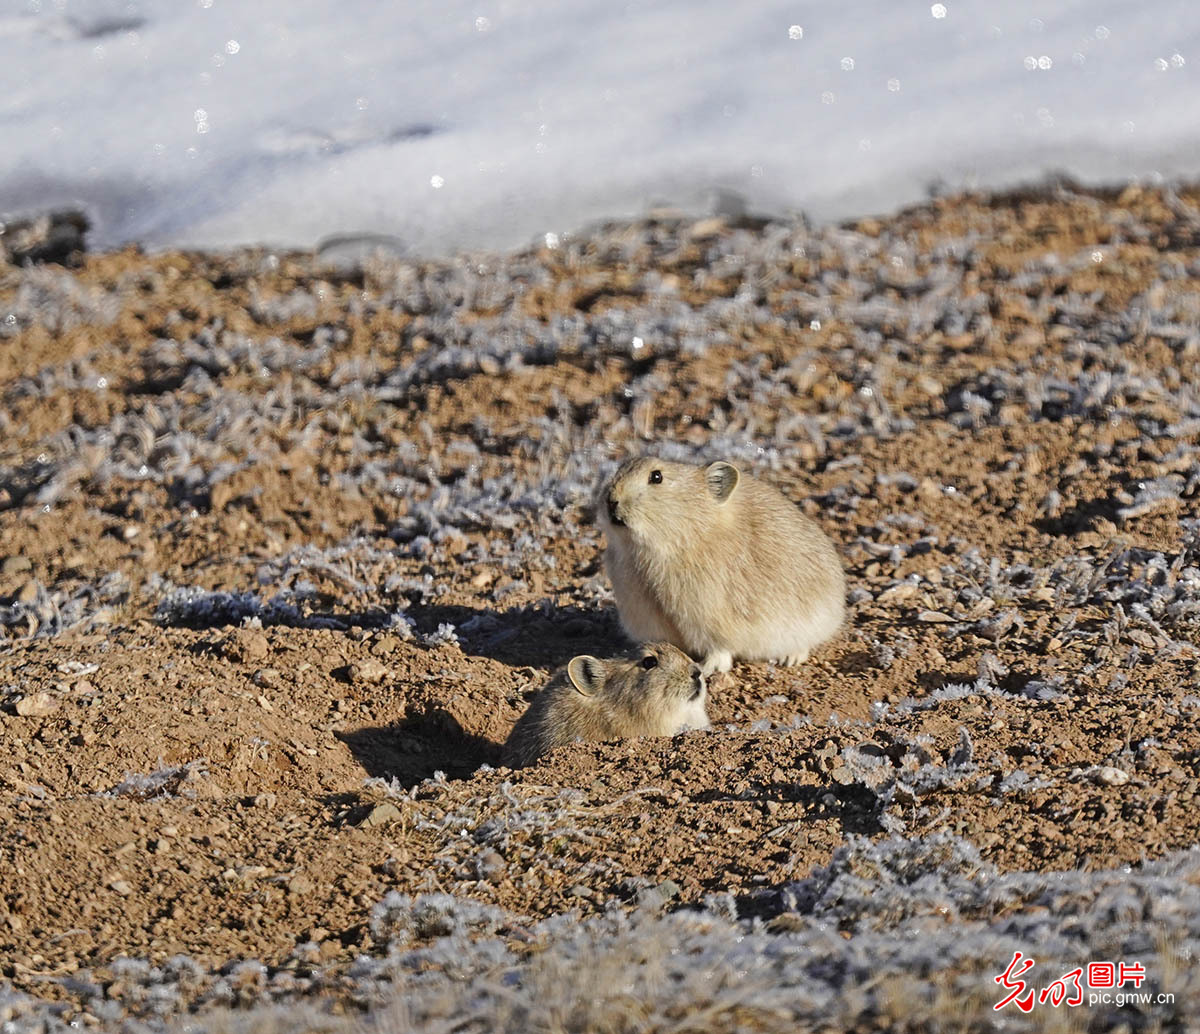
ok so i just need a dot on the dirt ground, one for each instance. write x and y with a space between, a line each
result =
1012 500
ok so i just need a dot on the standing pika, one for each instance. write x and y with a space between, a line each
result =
658 693
718 563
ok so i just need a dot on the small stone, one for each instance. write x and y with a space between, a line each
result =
120 886
368 670
934 617
898 593
299 886
35 705
254 646
384 645
268 678
1107 775
381 814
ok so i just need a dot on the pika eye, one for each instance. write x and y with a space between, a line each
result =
649 662
655 477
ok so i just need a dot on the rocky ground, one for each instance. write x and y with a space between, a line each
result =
287 541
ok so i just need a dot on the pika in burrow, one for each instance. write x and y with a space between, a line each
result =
718 563
659 692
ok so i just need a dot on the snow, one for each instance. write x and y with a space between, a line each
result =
484 123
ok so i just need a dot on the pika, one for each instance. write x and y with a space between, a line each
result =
718 563
658 693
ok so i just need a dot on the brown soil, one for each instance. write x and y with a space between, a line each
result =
267 836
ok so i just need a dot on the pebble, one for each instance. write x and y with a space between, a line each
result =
384 645
300 886
935 617
268 678
1107 775
35 705
368 671
898 593
254 646
381 814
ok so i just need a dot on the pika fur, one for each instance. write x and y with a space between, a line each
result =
659 692
717 563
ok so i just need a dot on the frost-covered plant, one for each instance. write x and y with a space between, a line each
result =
399 918
164 781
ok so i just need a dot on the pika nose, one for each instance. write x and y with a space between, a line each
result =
612 512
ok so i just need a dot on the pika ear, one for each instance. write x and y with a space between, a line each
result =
722 478
586 674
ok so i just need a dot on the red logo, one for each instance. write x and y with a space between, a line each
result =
1056 993
1016 986
1069 988
1135 973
